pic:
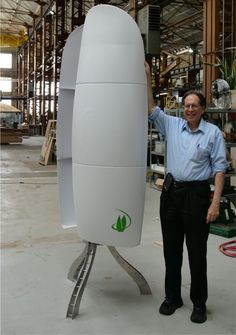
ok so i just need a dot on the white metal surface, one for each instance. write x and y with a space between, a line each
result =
64 127
109 129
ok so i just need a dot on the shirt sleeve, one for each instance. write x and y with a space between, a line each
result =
158 119
218 154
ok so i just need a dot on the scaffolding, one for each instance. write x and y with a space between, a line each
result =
39 60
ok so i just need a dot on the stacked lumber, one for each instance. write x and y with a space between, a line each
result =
10 135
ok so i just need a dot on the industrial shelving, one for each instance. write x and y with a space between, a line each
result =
157 149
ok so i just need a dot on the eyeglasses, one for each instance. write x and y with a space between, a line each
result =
194 107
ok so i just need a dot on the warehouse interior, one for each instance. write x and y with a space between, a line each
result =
185 42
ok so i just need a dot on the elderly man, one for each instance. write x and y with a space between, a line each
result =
195 152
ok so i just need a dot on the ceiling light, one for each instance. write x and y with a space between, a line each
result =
184 51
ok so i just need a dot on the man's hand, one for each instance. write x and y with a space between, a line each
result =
147 69
214 209
213 212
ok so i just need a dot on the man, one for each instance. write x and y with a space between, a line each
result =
195 152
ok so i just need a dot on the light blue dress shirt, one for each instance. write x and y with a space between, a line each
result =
191 155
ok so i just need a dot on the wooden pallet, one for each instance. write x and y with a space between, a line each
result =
49 143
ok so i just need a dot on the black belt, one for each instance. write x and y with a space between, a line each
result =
181 184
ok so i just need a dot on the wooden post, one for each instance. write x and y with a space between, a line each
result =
133 9
211 21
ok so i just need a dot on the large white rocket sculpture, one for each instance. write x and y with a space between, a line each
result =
102 129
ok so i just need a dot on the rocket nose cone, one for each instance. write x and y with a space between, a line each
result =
104 22
111 48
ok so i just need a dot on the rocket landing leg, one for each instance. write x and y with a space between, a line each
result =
80 270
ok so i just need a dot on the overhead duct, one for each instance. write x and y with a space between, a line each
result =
149 25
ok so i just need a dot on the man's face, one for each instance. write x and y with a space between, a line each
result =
192 110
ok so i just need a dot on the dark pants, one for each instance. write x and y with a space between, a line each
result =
183 212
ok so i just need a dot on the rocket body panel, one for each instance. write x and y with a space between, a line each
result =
64 123
109 137
112 46
69 68
70 59
110 203
125 66
66 198
110 125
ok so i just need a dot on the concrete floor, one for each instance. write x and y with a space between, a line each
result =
36 255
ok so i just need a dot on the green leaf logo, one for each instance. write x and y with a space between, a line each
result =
122 223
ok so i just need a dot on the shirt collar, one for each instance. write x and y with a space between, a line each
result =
201 127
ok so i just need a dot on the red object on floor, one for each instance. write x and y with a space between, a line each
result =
228 248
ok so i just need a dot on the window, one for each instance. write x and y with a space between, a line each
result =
5 61
5 84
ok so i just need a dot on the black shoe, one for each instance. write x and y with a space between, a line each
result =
168 306
199 314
